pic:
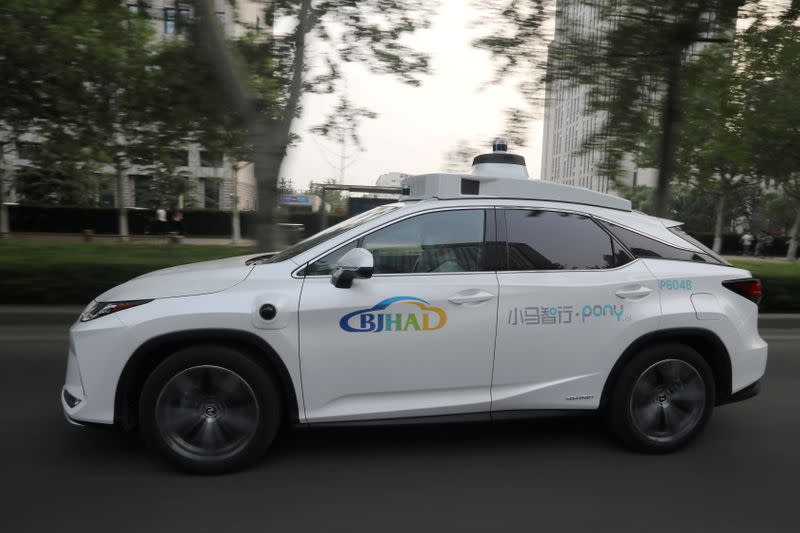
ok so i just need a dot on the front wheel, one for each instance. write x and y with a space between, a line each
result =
209 409
662 399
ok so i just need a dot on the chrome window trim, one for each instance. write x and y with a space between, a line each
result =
564 271
436 209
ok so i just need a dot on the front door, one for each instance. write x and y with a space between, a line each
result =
417 339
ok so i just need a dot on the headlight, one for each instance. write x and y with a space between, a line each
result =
98 309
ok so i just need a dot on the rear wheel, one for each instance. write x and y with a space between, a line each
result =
662 399
209 409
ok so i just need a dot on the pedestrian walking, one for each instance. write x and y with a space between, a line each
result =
161 221
747 243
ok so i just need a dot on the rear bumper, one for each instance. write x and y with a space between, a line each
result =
744 394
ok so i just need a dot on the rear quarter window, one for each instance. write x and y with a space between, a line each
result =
646 247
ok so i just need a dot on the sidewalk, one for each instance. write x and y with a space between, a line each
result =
18 315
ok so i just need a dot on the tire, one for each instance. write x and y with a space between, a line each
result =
209 410
662 399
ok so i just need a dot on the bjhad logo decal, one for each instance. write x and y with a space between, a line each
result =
378 318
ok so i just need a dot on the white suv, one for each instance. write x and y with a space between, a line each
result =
474 298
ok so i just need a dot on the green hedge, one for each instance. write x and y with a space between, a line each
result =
731 246
103 220
43 272
50 273
780 281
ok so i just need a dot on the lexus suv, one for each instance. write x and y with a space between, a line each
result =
483 296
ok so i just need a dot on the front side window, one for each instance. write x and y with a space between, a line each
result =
549 240
445 241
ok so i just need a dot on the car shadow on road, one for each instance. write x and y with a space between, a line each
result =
97 446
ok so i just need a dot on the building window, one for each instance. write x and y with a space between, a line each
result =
220 16
183 20
211 188
176 21
180 158
210 159
169 20
142 193
142 159
28 150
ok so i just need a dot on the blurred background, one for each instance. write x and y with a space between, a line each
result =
137 135
127 126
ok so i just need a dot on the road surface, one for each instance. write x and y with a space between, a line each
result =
549 475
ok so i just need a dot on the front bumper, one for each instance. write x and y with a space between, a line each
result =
87 395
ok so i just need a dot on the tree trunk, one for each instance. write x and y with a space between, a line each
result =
793 236
719 223
5 226
235 222
268 139
668 143
122 210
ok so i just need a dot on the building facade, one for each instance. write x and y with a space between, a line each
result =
568 123
216 179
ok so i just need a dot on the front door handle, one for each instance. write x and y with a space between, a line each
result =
635 293
471 297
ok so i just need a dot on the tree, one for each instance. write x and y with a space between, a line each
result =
33 50
633 67
366 31
712 152
773 118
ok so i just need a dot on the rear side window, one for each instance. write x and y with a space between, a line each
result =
549 240
645 247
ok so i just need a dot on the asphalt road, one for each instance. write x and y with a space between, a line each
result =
549 475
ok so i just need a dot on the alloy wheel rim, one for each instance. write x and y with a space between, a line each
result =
668 400
207 412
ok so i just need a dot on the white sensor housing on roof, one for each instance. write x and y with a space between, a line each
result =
502 175
458 186
500 163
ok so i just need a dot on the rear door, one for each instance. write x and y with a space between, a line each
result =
571 301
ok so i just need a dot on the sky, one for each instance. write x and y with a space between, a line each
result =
415 126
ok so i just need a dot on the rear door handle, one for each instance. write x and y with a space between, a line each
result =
636 293
471 297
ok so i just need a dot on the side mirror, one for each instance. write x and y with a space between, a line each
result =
357 263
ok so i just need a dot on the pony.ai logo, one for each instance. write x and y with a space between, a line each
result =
377 318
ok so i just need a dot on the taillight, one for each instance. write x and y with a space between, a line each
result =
749 288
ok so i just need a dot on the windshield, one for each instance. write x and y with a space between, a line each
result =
333 231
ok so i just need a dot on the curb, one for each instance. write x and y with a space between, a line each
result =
19 315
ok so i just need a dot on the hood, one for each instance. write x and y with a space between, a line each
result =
185 280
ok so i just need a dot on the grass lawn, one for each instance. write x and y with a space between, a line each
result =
770 268
53 272
781 282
